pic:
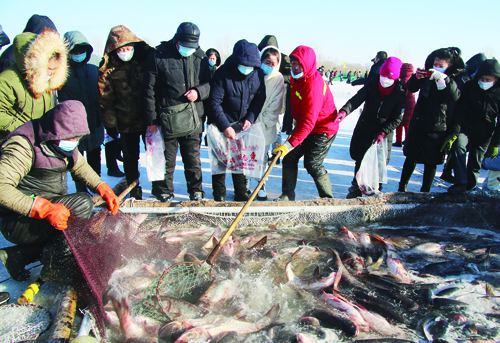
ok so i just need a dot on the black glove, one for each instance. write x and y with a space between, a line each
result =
112 132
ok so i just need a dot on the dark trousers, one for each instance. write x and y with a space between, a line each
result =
314 149
219 184
111 152
429 174
190 153
468 172
131 149
94 160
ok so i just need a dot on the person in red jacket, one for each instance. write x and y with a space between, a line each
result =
314 112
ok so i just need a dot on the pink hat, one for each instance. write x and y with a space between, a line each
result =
391 68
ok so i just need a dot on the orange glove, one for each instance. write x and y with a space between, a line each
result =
109 196
56 214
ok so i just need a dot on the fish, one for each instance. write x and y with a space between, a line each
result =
380 306
139 218
345 306
229 324
175 329
131 331
379 324
316 283
435 328
355 262
347 235
317 335
216 295
333 320
430 248
396 268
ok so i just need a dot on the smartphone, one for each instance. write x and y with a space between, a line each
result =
428 73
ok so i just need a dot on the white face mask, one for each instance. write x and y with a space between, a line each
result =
485 85
442 70
386 82
126 56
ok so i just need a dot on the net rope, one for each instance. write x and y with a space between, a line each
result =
23 323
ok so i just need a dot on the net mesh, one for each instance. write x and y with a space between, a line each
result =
23 323
101 243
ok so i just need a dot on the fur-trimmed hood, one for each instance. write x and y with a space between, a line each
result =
33 53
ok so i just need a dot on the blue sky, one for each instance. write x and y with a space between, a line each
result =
350 30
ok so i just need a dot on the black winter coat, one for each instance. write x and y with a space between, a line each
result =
235 97
477 114
168 76
428 124
374 71
377 116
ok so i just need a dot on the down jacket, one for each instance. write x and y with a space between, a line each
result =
235 97
312 102
273 106
25 93
168 76
36 24
477 110
29 168
377 115
120 83
82 86
409 105
428 123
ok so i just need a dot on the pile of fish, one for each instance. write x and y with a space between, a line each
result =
313 284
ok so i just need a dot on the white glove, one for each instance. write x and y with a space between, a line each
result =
437 75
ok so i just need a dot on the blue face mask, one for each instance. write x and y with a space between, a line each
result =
67 145
211 62
186 52
298 76
78 58
266 69
245 70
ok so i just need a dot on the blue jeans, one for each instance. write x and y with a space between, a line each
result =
467 171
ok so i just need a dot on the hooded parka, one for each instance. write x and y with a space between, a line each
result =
312 102
25 93
377 116
36 24
81 85
409 105
273 106
235 97
428 123
120 83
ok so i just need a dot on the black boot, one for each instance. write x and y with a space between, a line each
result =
403 187
354 191
324 186
17 257
429 174
288 183
136 193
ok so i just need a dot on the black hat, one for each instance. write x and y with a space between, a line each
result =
187 35
489 67
381 55
475 61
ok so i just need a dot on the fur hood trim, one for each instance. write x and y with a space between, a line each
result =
36 61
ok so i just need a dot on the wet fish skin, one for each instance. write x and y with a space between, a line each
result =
229 324
216 295
355 262
379 324
396 268
380 306
316 283
329 319
435 328
346 307
383 340
130 330
448 303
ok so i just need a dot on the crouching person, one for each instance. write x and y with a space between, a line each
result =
34 204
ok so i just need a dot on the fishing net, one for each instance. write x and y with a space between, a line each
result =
23 323
101 243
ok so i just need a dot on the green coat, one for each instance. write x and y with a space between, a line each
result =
24 92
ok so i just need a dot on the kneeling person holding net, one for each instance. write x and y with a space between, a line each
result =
34 204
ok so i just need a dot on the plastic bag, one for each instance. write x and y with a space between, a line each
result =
245 155
155 158
373 169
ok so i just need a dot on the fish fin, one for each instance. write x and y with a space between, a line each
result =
260 243
163 228
337 278
272 315
180 256
316 272
489 290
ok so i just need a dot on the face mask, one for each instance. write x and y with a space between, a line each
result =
245 70
67 145
211 62
186 52
266 69
297 76
442 70
485 85
126 56
78 58
386 82
47 78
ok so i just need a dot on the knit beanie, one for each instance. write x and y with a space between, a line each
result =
391 68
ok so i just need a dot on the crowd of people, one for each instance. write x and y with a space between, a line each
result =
58 102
